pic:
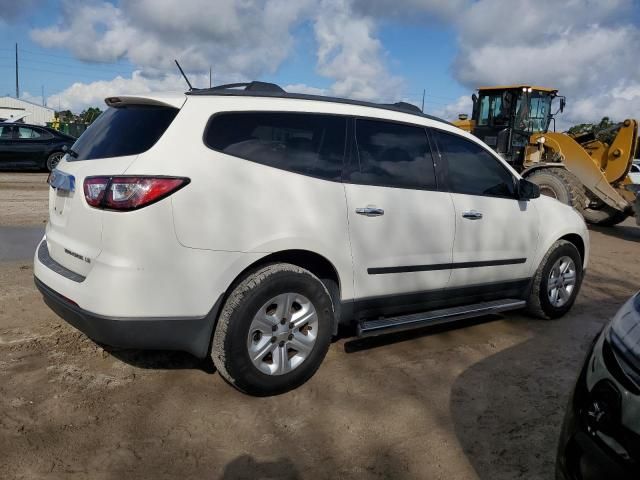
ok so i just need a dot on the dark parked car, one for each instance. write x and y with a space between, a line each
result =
600 436
31 146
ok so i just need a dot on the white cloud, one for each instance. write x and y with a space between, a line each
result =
451 111
306 89
542 42
555 44
350 54
246 38
82 95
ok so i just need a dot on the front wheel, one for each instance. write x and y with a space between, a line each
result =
556 282
53 160
274 330
560 184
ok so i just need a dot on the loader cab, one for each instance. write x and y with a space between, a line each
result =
506 117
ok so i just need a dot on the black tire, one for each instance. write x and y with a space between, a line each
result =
604 215
53 159
560 184
538 303
229 349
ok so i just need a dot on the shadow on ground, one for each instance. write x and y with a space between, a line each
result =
162 359
623 232
245 467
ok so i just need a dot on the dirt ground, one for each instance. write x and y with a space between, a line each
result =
483 400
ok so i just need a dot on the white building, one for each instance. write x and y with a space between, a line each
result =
13 108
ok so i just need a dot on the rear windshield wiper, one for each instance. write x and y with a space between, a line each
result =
70 151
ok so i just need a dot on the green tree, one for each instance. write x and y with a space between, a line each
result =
89 115
605 130
65 116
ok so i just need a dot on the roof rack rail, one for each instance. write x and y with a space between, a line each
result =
249 87
266 89
409 107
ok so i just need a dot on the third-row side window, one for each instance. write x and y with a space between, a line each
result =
302 143
393 155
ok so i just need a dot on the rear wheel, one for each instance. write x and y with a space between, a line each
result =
274 330
54 159
560 184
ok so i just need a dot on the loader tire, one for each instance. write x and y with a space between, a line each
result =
604 216
560 184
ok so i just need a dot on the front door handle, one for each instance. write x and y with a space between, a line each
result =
472 215
370 211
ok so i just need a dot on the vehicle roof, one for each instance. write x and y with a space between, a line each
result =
271 90
21 124
518 87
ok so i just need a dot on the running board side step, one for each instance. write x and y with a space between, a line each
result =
380 326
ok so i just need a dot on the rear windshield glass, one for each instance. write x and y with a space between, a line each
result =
126 130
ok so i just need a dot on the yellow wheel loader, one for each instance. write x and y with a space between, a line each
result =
581 171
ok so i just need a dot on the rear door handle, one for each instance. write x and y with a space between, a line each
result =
472 215
370 211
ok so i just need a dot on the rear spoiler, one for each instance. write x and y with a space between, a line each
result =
175 101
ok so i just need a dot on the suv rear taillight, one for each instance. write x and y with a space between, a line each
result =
129 193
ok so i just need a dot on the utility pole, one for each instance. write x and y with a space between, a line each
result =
209 77
423 92
43 102
17 83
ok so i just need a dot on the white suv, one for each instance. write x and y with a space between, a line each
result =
247 223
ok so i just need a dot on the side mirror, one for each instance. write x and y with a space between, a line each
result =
527 190
563 102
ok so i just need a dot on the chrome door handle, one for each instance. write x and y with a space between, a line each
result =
472 215
370 211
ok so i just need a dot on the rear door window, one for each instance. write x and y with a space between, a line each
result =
126 130
305 143
28 133
393 155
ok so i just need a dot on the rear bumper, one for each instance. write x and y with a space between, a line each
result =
189 334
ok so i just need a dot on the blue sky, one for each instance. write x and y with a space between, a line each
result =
382 50
422 55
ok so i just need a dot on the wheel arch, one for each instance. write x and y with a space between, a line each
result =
541 166
317 264
576 240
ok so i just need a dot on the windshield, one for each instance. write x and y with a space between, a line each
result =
533 111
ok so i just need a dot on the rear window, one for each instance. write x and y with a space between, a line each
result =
306 143
126 130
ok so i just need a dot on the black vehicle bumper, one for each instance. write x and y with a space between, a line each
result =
189 334
582 454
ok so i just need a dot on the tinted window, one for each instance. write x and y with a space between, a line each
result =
473 170
394 155
311 144
26 132
127 130
6 132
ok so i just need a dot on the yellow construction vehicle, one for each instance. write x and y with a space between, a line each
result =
581 171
